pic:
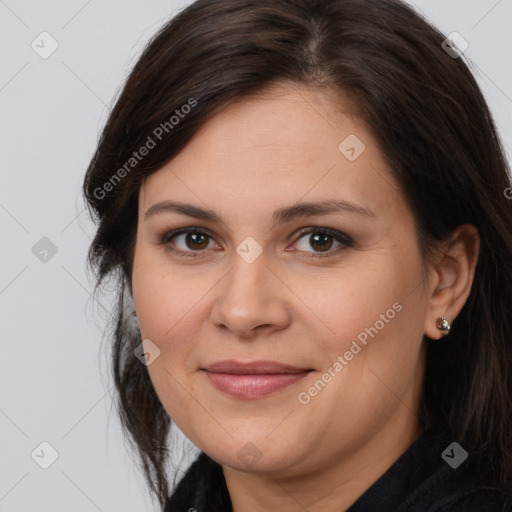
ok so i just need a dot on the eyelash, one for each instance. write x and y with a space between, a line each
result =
337 235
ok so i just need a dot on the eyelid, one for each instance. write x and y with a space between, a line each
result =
179 231
338 235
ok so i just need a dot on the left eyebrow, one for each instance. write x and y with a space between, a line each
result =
280 216
309 209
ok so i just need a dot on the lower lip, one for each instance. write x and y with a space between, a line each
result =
253 386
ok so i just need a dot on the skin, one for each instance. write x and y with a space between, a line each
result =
253 157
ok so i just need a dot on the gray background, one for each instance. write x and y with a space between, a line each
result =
54 384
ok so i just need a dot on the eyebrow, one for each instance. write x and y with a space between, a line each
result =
280 216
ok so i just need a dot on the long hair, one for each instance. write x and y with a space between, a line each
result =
433 127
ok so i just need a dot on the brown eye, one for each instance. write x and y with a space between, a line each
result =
322 240
187 241
196 240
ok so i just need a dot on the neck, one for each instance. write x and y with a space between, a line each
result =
330 489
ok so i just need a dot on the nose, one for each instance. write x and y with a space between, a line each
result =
251 300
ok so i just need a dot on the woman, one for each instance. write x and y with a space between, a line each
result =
304 205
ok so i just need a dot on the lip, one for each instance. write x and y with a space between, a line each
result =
253 367
255 379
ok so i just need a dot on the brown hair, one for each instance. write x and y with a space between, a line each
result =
433 126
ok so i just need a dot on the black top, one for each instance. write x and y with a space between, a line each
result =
421 480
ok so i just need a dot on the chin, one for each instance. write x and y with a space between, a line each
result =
256 456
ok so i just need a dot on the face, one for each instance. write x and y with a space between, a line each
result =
318 311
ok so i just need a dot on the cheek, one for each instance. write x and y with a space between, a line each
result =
376 317
359 301
164 304
161 297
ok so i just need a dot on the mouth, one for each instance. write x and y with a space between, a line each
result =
252 380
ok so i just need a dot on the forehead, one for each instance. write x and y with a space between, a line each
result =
277 147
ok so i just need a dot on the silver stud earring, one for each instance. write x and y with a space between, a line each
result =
443 325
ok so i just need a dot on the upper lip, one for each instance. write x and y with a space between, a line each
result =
253 368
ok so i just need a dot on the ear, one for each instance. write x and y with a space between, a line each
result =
451 277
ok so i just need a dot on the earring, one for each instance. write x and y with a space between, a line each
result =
443 325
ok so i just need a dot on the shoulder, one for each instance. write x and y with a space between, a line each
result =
429 484
454 492
481 500
465 490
